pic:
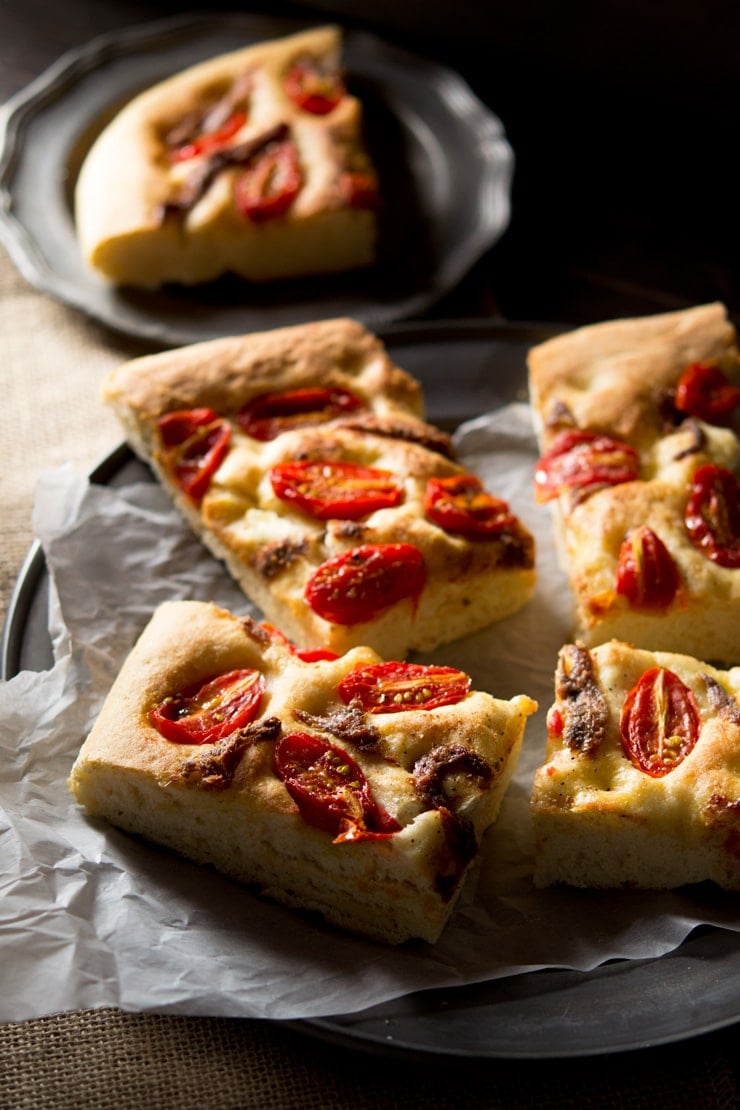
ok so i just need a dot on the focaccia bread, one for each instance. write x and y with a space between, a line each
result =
299 456
641 782
250 163
640 456
343 785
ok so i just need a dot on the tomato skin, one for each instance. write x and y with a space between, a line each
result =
712 515
269 414
206 713
359 189
460 505
579 460
308 655
330 789
176 427
647 575
313 655
555 721
313 89
327 490
660 722
196 442
705 392
209 141
363 582
398 687
268 187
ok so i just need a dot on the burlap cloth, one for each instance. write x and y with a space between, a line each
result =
51 362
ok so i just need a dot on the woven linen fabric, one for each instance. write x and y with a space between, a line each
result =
52 361
105 1060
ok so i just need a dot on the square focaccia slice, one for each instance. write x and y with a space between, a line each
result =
641 781
250 163
343 785
300 458
637 422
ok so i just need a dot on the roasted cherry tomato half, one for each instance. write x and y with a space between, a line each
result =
195 443
268 187
209 140
705 392
308 655
330 789
712 515
363 582
462 506
328 490
359 189
314 89
206 713
396 687
581 460
269 414
647 575
660 722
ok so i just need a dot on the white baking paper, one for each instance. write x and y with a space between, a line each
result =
91 917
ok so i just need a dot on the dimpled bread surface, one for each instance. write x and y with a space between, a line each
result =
238 815
601 821
127 179
271 548
612 378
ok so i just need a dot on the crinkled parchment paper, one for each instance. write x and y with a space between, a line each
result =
91 917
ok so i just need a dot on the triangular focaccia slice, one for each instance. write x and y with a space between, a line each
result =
640 786
251 163
638 428
346 786
299 457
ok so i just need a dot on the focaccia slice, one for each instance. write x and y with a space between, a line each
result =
301 459
250 163
640 456
641 782
343 785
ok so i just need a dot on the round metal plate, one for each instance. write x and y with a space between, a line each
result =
444 163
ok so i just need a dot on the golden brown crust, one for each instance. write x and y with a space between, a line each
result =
224 803
128 180
607 376
600 821
226 373
272 548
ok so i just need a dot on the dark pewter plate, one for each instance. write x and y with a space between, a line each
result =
467 369
443 159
